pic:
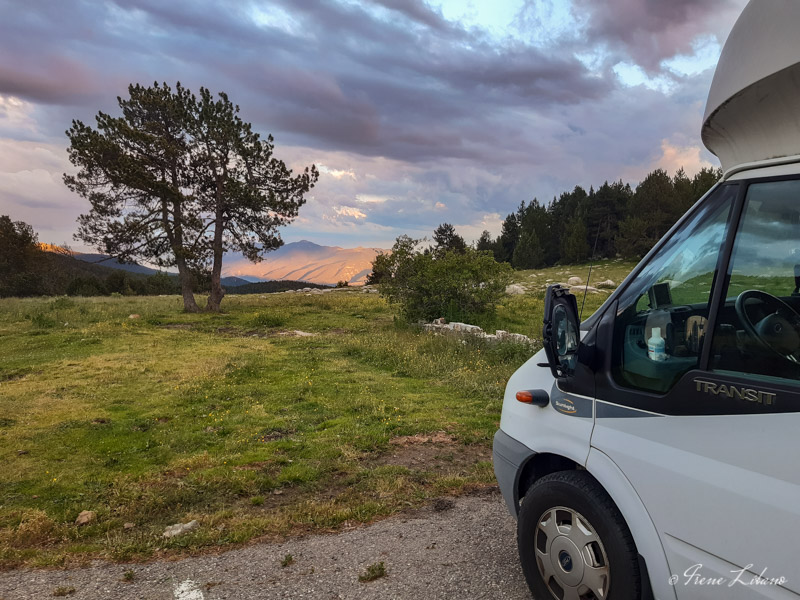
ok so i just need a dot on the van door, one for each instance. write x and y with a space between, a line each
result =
707 431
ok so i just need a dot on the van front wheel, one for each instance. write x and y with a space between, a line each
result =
574 543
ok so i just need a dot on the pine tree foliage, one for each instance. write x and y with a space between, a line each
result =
178 180
615 219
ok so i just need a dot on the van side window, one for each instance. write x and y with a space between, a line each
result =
758 328
662 315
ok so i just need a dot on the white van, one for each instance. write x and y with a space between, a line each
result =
653 451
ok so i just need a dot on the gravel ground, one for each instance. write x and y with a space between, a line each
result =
463 549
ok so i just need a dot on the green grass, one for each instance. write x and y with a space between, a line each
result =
373 572
232 420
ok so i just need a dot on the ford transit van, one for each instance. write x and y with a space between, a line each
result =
653 451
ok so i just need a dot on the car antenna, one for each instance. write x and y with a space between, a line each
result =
591 264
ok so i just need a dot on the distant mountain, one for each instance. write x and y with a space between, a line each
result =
297 261
307 261
234 281
113 263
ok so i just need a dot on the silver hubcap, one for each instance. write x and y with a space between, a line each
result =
570 556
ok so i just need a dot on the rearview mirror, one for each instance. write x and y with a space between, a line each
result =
561 334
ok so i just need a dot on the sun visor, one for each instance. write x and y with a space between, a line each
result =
753 108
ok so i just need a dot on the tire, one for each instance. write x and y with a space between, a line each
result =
573 542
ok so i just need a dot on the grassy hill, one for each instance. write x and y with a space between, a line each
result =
286 414
59 270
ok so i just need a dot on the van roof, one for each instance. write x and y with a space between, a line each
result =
752 113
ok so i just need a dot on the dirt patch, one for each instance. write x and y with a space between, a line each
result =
438 452
234 332
338 331
437 437
270 435
262 333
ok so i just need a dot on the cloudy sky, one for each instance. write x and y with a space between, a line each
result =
416 112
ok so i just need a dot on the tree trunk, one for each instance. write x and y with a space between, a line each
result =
185 278
217 293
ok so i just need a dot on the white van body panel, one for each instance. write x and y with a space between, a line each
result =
751 113
541 428
727 487
645 535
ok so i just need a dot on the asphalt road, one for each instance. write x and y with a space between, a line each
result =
462 549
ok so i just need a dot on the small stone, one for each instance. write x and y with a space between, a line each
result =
607 284
134 316
515 289
86 517
180 529
128 526
574 280
21 452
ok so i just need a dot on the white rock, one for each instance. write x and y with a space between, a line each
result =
180 529
466 328
579 289
515 289
574 280
606 285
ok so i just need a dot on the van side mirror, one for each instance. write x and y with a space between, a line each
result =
561 334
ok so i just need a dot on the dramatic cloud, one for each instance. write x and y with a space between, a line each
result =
649 32
414 118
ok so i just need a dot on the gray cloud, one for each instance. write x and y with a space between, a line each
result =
649 31
469 121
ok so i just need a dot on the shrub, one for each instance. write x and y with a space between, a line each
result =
268 320
457 285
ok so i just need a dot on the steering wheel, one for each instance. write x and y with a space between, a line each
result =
778 330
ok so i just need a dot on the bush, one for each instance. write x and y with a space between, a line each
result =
457 285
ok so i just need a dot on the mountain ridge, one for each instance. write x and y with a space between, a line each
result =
307 261
303 260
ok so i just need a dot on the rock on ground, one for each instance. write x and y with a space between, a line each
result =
515 289
85 517
466 549
180 529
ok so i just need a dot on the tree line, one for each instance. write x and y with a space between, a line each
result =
612 220
27 270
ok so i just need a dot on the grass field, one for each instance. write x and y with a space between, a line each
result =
236 420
